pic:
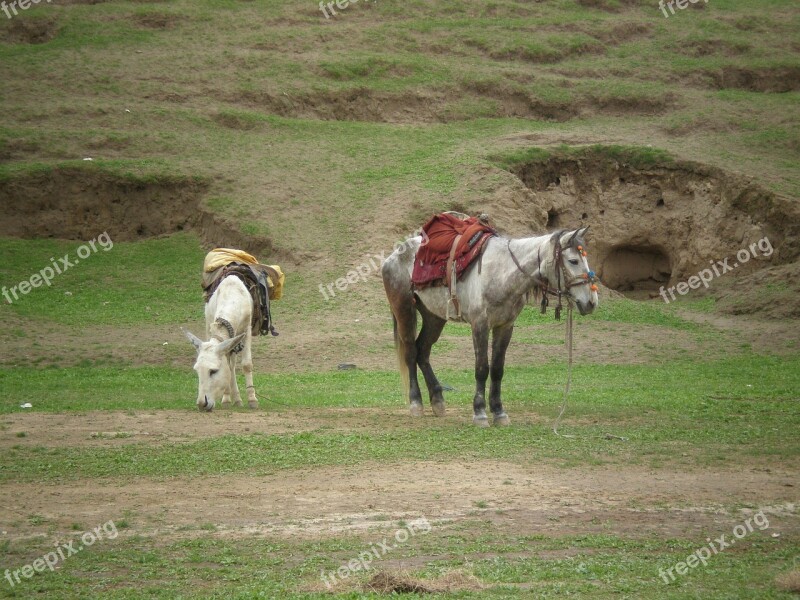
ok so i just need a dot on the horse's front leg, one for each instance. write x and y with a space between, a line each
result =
480 342
501 336
247 367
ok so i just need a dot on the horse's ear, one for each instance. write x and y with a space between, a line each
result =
227 346
577 237
196 342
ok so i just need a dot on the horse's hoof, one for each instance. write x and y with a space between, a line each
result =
438 408
480 420
502 420
415 409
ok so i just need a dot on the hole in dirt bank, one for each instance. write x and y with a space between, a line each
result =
658 221
636 269
81 203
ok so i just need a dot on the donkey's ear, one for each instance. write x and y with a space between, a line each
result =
227 346
196 342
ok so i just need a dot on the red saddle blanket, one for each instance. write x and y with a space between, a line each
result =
430 263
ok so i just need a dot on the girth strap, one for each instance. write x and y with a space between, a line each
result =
452 278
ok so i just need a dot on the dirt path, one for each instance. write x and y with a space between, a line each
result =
630 501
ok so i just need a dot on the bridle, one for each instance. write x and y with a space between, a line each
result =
560 270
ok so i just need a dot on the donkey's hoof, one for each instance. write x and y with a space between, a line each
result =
252 403
502 420
438 408
416 409
480 420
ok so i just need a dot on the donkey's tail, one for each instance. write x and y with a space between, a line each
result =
400 349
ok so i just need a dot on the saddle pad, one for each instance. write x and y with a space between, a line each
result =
430 263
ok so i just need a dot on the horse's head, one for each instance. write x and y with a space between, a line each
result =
213 367
577 277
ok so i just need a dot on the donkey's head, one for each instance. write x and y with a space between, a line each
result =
577 279
213 366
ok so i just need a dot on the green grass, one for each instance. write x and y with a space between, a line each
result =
597 566
155 282
716 411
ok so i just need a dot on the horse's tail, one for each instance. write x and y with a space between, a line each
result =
400 349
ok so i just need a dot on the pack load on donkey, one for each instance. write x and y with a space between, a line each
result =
264 282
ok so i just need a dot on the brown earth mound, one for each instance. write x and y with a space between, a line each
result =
79 203
660 224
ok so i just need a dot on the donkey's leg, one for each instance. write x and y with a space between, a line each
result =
247 367
431 330
501 336
480 342
226 396
237 397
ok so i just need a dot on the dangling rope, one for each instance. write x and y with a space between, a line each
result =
569 372
607 436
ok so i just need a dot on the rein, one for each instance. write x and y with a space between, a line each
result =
587 278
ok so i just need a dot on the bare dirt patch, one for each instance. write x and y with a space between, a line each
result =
156 20
367 499
32 30
106 428
767 79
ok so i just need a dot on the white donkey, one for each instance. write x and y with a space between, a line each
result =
228 320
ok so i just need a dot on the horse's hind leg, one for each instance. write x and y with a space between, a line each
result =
432 327
405 338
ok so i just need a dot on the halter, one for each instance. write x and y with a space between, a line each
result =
587 278
229 328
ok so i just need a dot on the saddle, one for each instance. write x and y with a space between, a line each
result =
263 282
453 241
